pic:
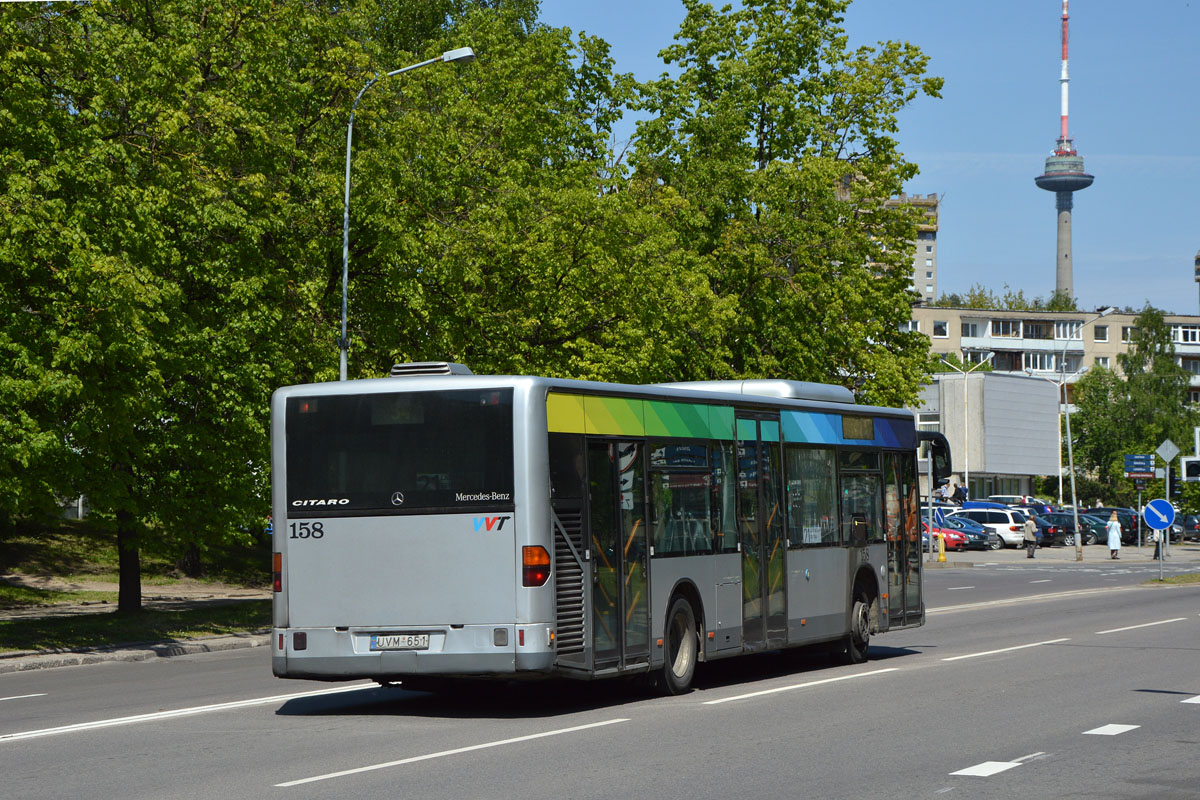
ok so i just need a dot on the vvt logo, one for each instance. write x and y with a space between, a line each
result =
490 523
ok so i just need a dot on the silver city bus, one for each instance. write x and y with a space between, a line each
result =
438 524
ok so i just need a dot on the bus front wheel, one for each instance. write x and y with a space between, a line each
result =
682 648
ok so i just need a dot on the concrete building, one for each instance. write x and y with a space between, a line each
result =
925 260
1045 352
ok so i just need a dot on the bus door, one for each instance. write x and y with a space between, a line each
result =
619 554
902 514
760 525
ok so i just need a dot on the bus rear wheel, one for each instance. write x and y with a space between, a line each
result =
859 638
682 648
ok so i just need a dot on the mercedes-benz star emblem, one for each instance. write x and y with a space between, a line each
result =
398 498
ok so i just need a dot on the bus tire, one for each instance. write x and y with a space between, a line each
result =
682 648
854 646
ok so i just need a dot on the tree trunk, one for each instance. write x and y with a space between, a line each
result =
129 592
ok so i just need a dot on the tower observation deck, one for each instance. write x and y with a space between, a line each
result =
1064 176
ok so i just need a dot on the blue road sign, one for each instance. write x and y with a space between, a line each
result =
1139 461
1159 514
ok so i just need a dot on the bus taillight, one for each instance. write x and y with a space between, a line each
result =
277 571
535 565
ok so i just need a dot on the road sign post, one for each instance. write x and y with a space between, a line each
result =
1159 515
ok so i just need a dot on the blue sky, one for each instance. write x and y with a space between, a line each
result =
1135 118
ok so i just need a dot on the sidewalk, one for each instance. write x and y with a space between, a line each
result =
1180 553
181 595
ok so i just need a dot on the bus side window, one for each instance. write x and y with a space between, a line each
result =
723 487
566 466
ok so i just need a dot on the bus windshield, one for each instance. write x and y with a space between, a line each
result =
400 452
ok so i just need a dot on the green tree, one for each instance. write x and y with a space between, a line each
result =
980 297
779 138
161 206
1133 413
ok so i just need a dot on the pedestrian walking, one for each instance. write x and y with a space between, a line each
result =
1114 536
1030 536
960 494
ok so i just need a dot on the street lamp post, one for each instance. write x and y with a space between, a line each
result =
966 426
1062 393
460 56
1104 312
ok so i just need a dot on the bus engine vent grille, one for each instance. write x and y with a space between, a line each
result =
428 368
569 584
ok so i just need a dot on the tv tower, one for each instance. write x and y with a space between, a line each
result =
1064 176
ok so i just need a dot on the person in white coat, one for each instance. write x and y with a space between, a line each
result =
1114 535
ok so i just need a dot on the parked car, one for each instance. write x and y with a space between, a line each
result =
1055 533
1091 527
1191 526
1126 516
978 537
955 540
1007 523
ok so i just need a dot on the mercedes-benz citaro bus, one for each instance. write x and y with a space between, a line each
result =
438 524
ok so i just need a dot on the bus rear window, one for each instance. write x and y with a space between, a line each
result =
399 453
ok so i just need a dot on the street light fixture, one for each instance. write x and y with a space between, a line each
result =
460 56
1104 312
966 427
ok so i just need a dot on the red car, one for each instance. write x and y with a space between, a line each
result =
954 539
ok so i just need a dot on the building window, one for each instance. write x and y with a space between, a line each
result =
1071 362
928 421
928 275
1043 362
1127 332
928 248
1100 333
1192 365
1037 330
970 329
928 289
975 356
1102 361
1066 329
1010 328
1186 334
911 325
1193 396
929 262
941 329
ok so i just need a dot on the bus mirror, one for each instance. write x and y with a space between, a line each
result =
939 451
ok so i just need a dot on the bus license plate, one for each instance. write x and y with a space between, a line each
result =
400 641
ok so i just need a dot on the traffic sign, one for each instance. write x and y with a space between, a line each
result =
1139 466
1159 514
1167 451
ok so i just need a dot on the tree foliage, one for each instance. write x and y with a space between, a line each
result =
171 191
1133 412
980 297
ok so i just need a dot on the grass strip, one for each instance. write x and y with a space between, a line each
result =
111 629
1179 580
28 596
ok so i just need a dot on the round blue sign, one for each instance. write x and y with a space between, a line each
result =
1159 514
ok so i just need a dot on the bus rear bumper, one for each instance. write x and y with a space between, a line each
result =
478 650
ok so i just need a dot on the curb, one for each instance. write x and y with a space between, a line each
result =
22 661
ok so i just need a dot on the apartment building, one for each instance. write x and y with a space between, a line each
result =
925 269
984 416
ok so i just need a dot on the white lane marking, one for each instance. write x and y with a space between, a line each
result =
957 588
1013 600
987 768
797 686
179 712
1111 730
453 752
1043 580
1146 625
1005 650
1029 757
1195 699
22 696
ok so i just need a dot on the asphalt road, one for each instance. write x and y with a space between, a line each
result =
1037 679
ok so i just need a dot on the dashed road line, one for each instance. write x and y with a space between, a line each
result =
958 588
1144 625
987 769
1043 580
1195 699
179 712
1111 730
454 752
798 686
22 696
1005 650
